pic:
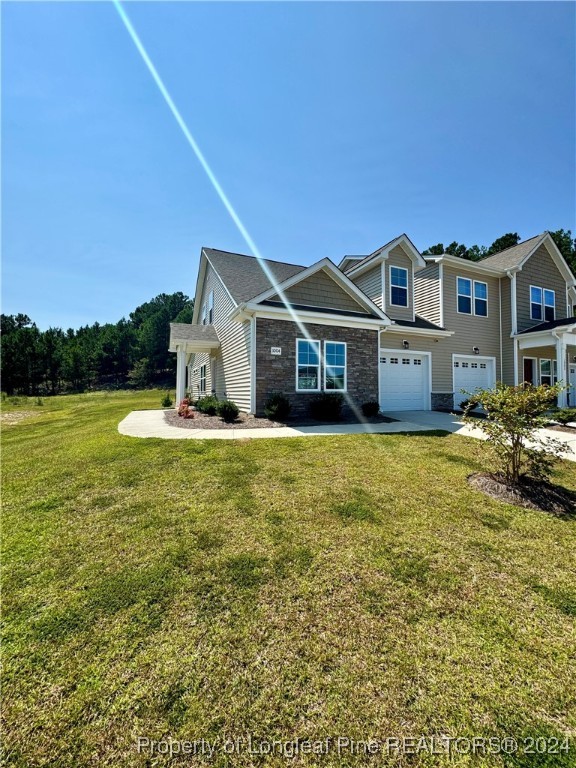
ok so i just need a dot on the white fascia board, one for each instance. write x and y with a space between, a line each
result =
466 264
546 338
402 329
281 313
199 285
384 252
193 346
339 277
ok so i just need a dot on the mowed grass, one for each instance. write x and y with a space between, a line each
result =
297 588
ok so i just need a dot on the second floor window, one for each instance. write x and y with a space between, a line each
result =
472 297
399 286
204 313
542 304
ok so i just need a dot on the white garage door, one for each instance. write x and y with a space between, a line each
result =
404 381
470 373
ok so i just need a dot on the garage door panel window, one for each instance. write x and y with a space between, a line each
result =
308 365
335 366
399 286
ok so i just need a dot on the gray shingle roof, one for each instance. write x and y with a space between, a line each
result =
419 322
244 276
513 256
551 324
190 332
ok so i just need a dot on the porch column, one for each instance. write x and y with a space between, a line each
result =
180 375
561 369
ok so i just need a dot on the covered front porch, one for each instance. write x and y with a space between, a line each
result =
546 354
187 339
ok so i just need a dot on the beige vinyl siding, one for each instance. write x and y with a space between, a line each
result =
540 270
471 330
507 372
427 293
232 360
320 290
399 258
371 284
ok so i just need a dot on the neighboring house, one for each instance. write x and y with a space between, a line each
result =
407 330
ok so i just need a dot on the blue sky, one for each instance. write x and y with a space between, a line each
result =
332 127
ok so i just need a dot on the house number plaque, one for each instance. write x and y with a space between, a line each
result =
275 350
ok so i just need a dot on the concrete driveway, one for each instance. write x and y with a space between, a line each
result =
453 423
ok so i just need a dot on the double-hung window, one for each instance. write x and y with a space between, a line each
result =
548 372
542 304
335 366
464 295
480 298
307 365
398 286
210 307
472 297
202 379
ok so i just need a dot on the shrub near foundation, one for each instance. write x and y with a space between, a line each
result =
227 410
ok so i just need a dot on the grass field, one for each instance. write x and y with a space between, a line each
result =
298 588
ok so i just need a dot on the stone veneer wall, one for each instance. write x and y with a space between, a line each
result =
442 401
277 373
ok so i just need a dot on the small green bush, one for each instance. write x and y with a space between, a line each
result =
167 401
208 405
370 409
227 410
564 415
277 407
326 407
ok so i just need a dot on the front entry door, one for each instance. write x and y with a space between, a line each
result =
529 374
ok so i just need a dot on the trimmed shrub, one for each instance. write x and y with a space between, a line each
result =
326 407
227 410
514 415
208 405
277 407
167 401
564 415
370 409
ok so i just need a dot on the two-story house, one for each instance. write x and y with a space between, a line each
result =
394 326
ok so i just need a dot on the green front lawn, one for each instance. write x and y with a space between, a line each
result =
311 587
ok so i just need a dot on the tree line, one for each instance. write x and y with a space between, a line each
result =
563 239
131 352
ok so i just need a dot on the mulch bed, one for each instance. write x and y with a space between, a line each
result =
541 496
246 421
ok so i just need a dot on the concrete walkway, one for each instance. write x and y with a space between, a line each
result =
153 424
454 424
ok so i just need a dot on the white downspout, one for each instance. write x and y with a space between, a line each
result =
514 322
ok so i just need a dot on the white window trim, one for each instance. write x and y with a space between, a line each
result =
553 370
313 341
471 297
543 304
200 377
479 282
390 286
330 341
203 316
